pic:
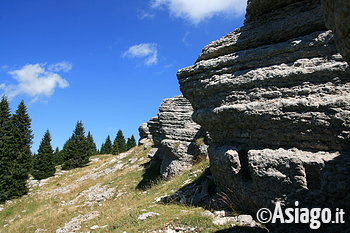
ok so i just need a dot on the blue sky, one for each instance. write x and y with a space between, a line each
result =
108 63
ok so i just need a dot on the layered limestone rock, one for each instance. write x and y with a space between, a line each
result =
144 133
155 131
178 139
274 95
150 133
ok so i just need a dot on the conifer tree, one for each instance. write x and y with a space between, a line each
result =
131 142
115 148
107 146
6 151
21 161
102 149
119 142
43 165
64 150
58 157
91 145
76 151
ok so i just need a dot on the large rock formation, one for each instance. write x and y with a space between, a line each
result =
177 137
338 19
150 133
274 95
145 135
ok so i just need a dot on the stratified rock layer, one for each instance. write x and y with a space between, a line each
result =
155 130
176 136
145 135
274 96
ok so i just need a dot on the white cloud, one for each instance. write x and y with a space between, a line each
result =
61 66
184 39
198 10
141 14
148 51
35 81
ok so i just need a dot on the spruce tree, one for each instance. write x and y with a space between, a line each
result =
6 151
107 146
102 149
115 148
76 151
21 161
63 152
131 142
57 150
119 142
91 145
57 157
43 165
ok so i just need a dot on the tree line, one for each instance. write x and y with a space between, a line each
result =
17 161
119 145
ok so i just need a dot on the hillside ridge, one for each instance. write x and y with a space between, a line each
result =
114 194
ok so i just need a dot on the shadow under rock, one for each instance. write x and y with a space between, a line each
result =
201 192
151 175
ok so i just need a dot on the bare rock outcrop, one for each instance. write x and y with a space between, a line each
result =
74 225
145 136
176 136
144 132
274 95
155 130
338 19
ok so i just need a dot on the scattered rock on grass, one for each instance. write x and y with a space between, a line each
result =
94 195
94 160
224 220
224 217
176 229
40 230
92 175
94 227
75 224
147 215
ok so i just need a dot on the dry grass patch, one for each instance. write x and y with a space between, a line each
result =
118 213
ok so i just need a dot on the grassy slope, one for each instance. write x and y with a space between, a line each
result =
43 211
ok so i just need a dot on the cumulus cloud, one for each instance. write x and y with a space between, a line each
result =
36 81
198 10
148 51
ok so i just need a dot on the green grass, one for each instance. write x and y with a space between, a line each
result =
140 185
200 141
